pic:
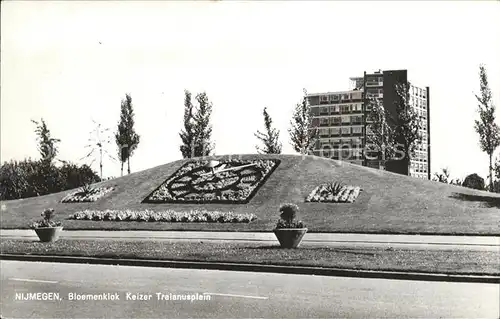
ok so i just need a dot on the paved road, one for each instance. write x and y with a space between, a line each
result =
316 239
233 294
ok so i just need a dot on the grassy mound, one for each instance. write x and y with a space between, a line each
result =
389 203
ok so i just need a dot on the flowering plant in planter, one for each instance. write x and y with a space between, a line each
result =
47 220
287 217
289 231
47 229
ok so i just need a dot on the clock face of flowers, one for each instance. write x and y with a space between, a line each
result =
231 181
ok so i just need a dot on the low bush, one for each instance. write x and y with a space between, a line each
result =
169 216
29 178
474 181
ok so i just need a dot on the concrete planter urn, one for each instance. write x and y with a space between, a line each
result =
288 231
47 229
48 234
290 237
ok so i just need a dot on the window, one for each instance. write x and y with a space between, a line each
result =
345 108
346 130
324 132
334 109
357 130
335 120
345 96
356 96
359 107
335 131
324 121
323 98
346 119
357 119
323 111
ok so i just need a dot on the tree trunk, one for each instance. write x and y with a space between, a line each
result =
100 161
128 165
121 168
491 173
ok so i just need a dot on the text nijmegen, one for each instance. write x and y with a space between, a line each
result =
37 296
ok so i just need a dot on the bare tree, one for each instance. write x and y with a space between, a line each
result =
442 177
99 140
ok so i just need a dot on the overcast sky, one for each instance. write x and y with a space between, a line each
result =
71 62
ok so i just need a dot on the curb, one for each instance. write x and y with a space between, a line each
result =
317 271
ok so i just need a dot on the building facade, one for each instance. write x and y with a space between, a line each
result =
341 118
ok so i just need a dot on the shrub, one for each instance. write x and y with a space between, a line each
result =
76 176
287 217
474 181
29 178
334 188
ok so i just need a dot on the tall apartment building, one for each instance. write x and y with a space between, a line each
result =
341 119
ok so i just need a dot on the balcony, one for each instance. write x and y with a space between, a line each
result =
373 84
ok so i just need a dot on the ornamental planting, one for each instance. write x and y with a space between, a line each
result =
168 216
87 194
224 181
334 193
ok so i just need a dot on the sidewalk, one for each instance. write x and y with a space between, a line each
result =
310 239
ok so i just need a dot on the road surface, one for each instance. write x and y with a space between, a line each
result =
232 294
482 243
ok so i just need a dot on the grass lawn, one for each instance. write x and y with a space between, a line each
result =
389 203
431 261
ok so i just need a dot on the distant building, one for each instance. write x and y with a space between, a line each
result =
341 119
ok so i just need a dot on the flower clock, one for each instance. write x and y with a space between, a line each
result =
230 181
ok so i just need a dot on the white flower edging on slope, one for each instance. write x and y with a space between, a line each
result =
170 216
92 196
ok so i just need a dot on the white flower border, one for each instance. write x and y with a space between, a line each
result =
169 216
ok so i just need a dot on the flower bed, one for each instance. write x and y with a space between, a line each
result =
87 195
195 182
169 216
328 193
